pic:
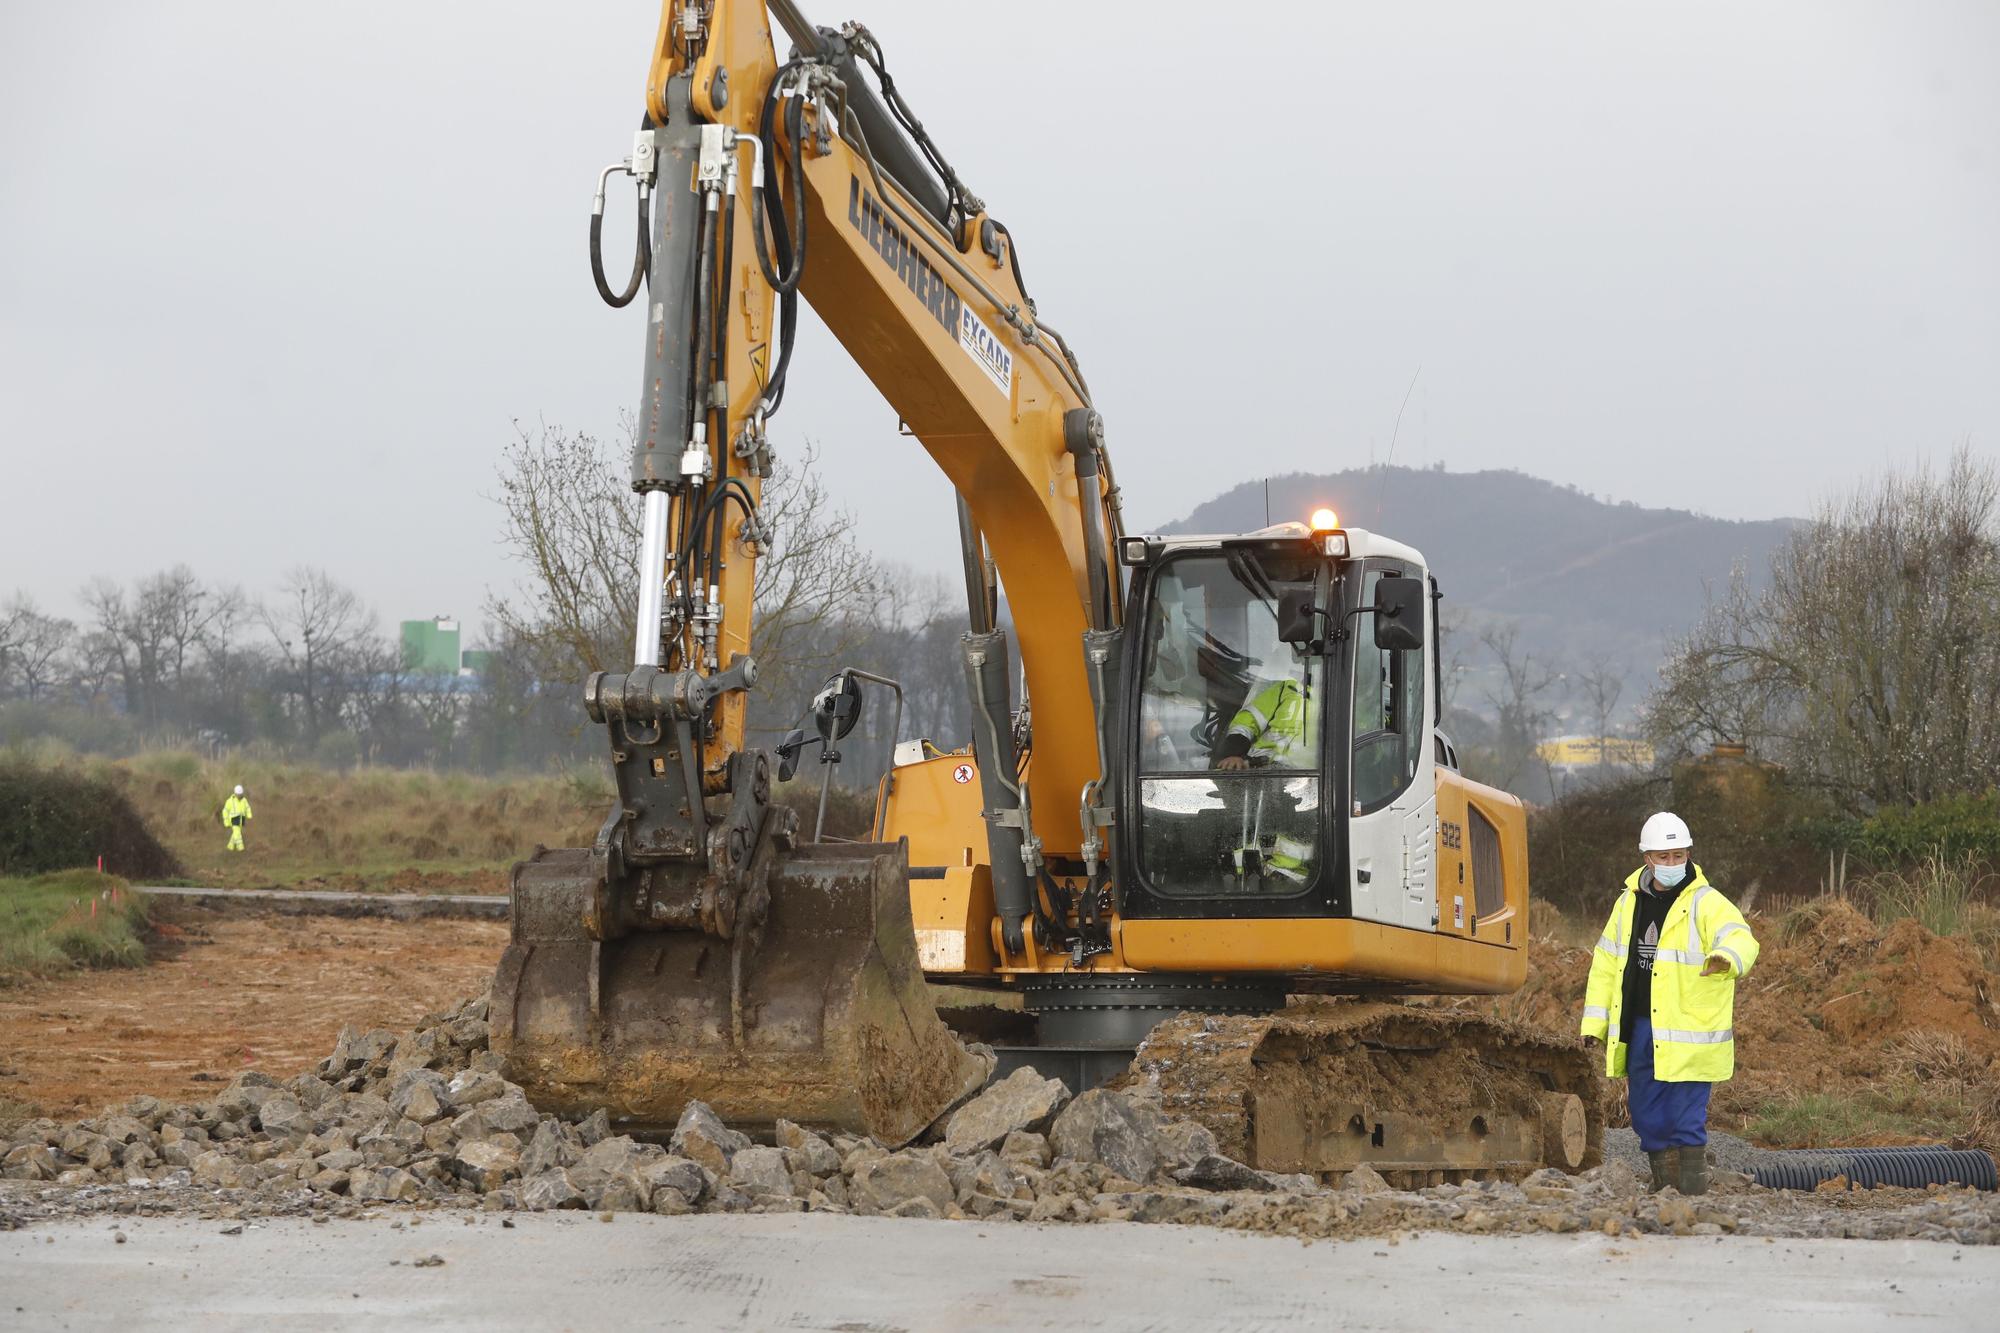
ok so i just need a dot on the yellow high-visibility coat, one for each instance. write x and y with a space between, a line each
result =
1277 721
234 806
1694 1036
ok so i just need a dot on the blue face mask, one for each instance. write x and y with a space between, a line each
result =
1668 876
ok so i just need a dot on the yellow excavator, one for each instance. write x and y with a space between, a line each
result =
1218 830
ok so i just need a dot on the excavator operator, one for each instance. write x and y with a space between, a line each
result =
1271 728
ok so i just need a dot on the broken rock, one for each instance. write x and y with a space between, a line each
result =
703 1137
550 1189
385 1183
1213 1171
1114 1130
484 1164
1023 1101
900 1177
761 1171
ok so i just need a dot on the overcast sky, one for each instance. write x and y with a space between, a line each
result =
275 279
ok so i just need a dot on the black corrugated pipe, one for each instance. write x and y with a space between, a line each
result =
1865 1168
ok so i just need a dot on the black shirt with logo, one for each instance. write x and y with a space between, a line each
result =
1649 913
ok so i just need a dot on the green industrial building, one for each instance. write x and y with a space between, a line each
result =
431 646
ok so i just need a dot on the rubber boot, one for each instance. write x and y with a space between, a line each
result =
1694 1171
1662 1162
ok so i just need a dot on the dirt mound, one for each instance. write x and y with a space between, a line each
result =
1833 1005
1916 982
51 819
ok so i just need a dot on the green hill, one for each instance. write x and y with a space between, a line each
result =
1579 576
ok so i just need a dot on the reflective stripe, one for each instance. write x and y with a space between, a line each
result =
1611 946
1694 917
1734 957
1694 1038
1726 930
1596 1011
1694 959
1295 848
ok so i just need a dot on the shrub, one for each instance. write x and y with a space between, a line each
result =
1751 832
1963 825
1938 892
53 819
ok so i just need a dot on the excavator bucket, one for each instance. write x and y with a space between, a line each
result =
824 1021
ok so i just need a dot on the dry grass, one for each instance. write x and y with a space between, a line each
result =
1551 924
71 919
1902 1111
1939 1058
358 828
1940 891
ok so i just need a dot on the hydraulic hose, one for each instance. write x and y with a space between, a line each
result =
788 234
642 252
704 289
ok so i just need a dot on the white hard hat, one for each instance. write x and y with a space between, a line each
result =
1665 832
239 792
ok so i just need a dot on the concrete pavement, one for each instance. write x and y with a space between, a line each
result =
570 1270
327 902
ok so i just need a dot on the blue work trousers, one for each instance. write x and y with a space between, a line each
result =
1665 1115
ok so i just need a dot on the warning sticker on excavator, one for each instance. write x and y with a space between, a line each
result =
962 774
986 350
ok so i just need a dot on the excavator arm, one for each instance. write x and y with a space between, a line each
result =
695 950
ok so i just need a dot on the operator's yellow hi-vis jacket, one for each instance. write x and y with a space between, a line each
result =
233 807
1276 720
1694 1038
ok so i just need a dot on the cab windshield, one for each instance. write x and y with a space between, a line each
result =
1230 731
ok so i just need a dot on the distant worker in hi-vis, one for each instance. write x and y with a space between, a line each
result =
235 814
1661 999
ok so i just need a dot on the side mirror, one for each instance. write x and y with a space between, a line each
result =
1298 617
837 707
1399 613
788 753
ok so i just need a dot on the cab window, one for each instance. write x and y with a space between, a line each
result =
1388 705
1230 731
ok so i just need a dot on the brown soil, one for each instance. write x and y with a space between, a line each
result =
228 994
1825 1011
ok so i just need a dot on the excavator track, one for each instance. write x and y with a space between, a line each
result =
1424 1094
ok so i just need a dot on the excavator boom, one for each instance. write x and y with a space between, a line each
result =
698 948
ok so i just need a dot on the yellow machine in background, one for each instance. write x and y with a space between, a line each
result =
1224 788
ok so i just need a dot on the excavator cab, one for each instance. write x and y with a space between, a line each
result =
1275 686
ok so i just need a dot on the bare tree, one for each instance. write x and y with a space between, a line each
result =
1602 684
13 632
570 519
1521 705
97 665
155 632
572 522
1871 664
316 624
819 594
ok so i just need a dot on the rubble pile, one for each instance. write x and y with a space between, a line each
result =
427 1119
